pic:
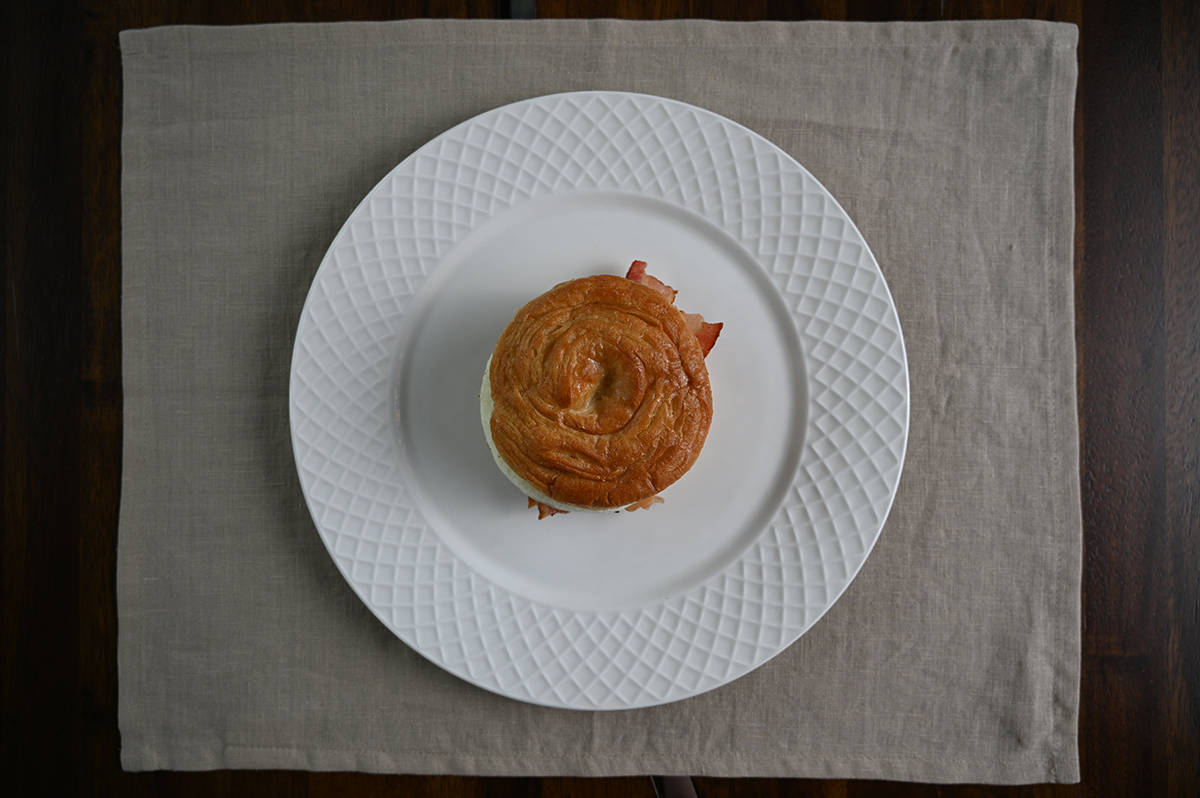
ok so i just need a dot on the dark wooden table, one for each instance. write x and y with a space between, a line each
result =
1137 269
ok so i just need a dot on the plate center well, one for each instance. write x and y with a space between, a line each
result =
599 561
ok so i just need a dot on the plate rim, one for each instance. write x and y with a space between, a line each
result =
328 261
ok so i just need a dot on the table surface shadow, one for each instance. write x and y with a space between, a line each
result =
1137 269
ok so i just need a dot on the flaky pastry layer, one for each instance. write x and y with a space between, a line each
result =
600 394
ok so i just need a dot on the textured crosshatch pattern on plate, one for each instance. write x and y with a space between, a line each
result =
857 387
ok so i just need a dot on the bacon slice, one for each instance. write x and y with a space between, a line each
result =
645 504
705 332
545 510
637 273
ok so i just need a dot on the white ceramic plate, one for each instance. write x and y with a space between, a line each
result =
599 611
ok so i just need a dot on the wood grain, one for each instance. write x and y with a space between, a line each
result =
1138 337
1178 709
42 451
1122 347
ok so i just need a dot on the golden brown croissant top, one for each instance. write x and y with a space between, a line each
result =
600 393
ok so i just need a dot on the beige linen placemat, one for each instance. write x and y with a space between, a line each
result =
954 656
